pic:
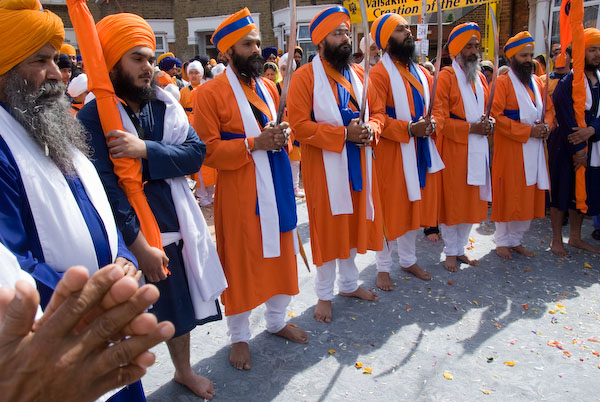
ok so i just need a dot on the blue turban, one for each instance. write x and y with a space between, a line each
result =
168 63
268 51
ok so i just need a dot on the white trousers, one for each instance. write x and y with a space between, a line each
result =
295 173
407 252
239 324
203 193
510 234
455 238
347 277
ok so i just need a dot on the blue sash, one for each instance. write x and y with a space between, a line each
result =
512 114
352 150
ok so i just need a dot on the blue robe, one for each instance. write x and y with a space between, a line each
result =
560 151
163 162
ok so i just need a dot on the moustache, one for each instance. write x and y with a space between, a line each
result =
50 89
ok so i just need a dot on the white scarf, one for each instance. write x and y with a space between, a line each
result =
595 151
11 272
61 228
326 111
478 151
409 153
203 269
534 157
265 188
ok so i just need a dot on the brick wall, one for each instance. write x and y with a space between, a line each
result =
514 18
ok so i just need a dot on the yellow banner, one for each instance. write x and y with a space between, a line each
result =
376 8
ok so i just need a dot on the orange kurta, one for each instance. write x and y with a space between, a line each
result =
460 202
332 237
400 215
209 175
252 279
512 199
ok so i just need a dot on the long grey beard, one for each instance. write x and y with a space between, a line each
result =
470 68
46 115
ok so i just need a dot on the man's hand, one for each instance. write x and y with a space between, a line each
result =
581 134
70 346
122 144
422 128
150 259
272 138
359 133
580 159
482 127
540 130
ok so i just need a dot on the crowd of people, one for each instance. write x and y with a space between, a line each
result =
96 165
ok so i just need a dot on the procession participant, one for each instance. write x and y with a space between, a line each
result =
70 51
466 181
519 172
409 191
298 53
570 147
339 178
169 149
55 213
255 210
269 54
487 68
375 55
78 90
66 67
562 66
195 72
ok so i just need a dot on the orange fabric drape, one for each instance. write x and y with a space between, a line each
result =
128 171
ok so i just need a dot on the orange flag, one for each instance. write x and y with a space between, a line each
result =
578 92
128 170
565 25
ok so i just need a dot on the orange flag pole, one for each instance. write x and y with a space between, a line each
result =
128 170
578 92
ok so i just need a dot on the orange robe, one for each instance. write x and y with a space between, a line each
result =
252 278
209 175
399 213
512 199
332 237
460 202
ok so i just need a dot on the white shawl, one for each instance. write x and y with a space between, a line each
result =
534 157
595 151
478 162
409 153
326 111
203 269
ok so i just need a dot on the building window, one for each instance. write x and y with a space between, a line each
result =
305 42
590 17
161 44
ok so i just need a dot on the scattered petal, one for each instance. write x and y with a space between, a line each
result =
475 302
525 307
448 376
358 365
527 269
331 351
471 240
293 325
291 314
368 370
567 353
552 311
587 265
450 283
593 340
407 307
509 363
486 391
497 325
353 318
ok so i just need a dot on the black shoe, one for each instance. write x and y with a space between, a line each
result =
596 234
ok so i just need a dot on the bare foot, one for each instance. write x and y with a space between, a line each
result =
239 357
450 264
558 249
419 272
293 334
580 244
323 311
468 260
523 251
201 386
434 237
504 252
362 294
384 282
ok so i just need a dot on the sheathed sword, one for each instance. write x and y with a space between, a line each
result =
367 60
438 60
495 73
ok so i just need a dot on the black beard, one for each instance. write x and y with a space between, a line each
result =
591 67
126 89
248 68
523 71
208 74
403 52
338 56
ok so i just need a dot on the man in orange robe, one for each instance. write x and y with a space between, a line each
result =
409 192
339 177
519 169
462 96
226 116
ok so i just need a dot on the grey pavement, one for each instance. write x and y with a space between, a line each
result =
520 330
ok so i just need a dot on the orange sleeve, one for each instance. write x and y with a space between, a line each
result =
454 129
509 128
394 130
214 107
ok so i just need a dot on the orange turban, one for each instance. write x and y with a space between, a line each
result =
515 44
232 29
326 21
592 37
67 49
119 33
461 35
27 29
384 25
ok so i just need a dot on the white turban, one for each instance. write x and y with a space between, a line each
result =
78 85
195 65
283 62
